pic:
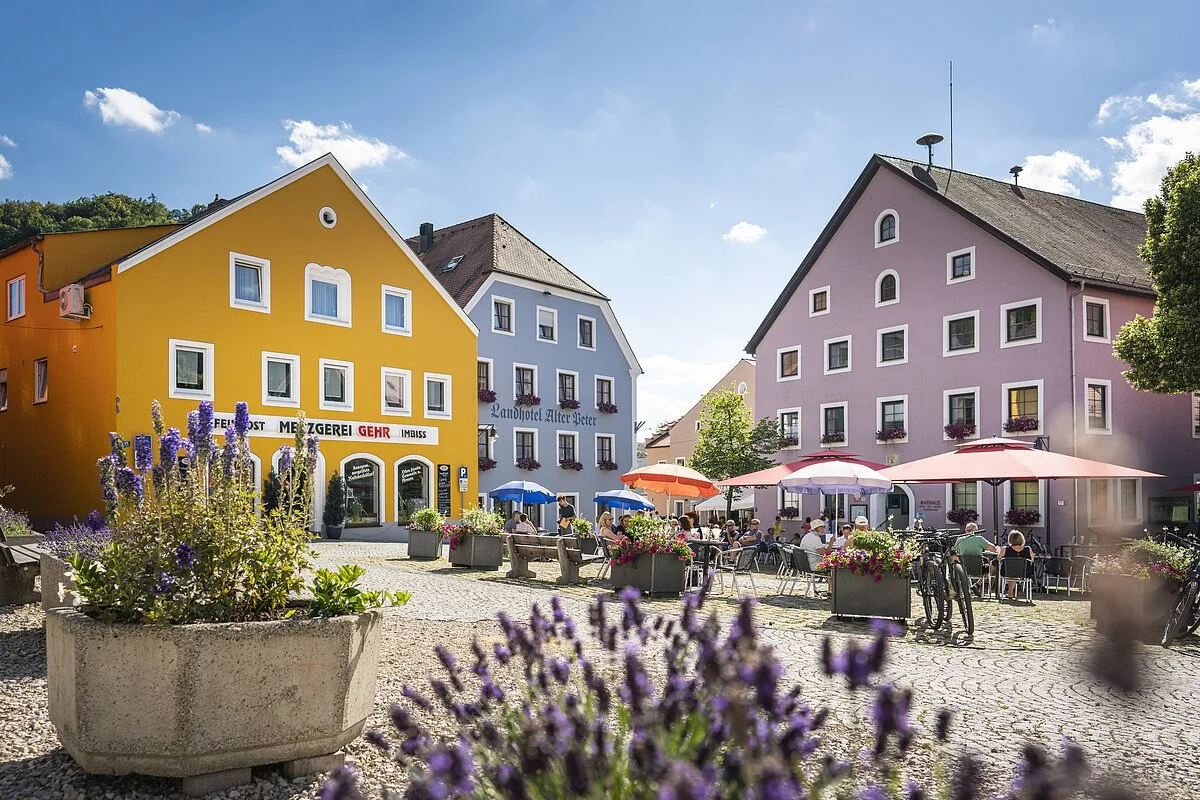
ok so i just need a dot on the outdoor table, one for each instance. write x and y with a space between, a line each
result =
704 547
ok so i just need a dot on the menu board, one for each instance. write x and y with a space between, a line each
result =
443 489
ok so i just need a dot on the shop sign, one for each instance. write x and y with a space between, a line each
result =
334 430
929 506
412 473
539 414
360 470
443 489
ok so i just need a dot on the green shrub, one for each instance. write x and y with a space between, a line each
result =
427 519
482 523
335 503
336 593
875 541
641 526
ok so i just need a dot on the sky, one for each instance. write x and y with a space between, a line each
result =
680 156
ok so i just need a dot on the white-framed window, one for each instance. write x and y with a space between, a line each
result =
525 444
438 395
191 369
887 288
963 496
789 426
3 389
327 295
337 385
742 388
604 390
16 297
1022 400
891 415
680 461
1097 400
504 312
1027 496
1021 323
838 354
525 379
587 333
960 334
547 324
605 448
891 346
834 423
961 407
249 283
1096 320
396 310
483 372
568 384
481 502
887 227
41 380
787 363
1114 501
960 266
327 217
395 392
818 301
484 442
568 446
280 379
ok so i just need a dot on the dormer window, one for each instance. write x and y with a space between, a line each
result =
327 295
887 228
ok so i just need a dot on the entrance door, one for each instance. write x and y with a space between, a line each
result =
362 493
898 508
412 489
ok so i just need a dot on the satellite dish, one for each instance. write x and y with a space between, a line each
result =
930 139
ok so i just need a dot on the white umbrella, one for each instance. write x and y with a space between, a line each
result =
836 478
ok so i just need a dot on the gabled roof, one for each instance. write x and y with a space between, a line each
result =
662 438
489 245
1075 239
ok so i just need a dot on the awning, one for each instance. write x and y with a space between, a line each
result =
743 503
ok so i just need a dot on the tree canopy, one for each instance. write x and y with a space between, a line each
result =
730 442
21 219
1163 352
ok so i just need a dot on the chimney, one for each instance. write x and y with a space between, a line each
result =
426 237
1016 173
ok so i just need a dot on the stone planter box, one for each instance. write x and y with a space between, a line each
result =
854 595
426 545
479 552
208 702
660 573
58 591
1125 602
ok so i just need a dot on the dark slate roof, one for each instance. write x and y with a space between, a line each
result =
490 244
1075 239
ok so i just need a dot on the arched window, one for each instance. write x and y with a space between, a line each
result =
887 228
887 288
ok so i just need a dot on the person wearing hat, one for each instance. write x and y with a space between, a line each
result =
843 538
813 544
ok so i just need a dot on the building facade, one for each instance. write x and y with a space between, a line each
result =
297 295
676 442
938 305
556 379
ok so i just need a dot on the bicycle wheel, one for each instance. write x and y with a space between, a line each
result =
962 591
1181 614
1195 622
933 593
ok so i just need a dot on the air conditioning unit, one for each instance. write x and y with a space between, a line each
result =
70 303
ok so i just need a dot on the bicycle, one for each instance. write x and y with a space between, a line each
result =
936 572
1185 614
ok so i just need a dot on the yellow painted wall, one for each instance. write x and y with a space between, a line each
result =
70 256
183 293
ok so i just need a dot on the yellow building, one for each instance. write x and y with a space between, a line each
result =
297 295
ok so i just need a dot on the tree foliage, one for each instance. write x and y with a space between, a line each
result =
21 219
730 442
1163 352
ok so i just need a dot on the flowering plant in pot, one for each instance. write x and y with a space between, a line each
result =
487 395
1022 516
890 434
1135 588
1144 559
874 553
833 438
568 404
658 541
959 431
476 542
570 463
425 532
870 576
486 463
1021 424
528 463
528 400
961 516
789 441
86 540
606 408
607 466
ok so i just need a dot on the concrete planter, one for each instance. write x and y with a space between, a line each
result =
854 595
426 545
207 702
1123 602
658 573
478 552
58 590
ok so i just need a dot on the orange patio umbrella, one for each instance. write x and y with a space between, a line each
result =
671 480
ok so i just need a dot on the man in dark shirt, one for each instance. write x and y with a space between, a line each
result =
620 529
566 515
511 524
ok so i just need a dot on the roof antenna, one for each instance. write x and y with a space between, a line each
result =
1015 171
952 116
928 141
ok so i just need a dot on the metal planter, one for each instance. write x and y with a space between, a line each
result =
854 595
424 545
478 552
659 573
1131 605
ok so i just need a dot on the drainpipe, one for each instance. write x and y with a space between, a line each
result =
41 262
1074 417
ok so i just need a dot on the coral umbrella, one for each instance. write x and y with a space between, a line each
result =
771 476
670 479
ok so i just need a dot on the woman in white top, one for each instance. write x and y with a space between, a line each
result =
605 526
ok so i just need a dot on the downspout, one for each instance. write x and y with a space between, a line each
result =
41 262
1074 417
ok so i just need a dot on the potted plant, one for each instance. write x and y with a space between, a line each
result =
959 431
476 543
1135 588
486 463
833 438
571 464
870 578
568 404
1021 425
487 395
961 516
606 408
334 515
425 534
528 463
607 466
527 400
1022 517
650 558
182 659
890 434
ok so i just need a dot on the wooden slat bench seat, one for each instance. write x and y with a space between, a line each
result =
19 567
524 548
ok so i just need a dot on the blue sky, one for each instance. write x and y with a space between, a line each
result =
680 156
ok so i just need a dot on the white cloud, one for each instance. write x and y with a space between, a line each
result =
1054 173
310 141
1167 103
7 141
745 233
1047 31
6 170
1191 88
1151 147
123 107
1118 106
671 386
202 128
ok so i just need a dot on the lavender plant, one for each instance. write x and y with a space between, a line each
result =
86 540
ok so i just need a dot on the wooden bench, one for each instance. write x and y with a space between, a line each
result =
19 566
524 548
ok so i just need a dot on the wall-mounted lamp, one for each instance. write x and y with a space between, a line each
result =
491 432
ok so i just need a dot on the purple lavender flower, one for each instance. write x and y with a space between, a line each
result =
184 556
417 698
241 419
164 584
95 521
168 450
117 445
285 458
143 452
203 438
129 484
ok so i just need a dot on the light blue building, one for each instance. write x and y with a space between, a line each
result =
557 377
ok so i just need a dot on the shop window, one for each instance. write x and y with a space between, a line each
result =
547 322
587 333
191 370
502 315
41 380
16 297
604 391
337 385
788 364
412 489
327 295
437 395
397 311
3 390
281 379
1021 323
249 283
363 493
1173 511
396 386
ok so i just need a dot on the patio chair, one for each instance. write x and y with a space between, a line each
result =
1081 570
735 563
1059 574
1021 571
977 573
607 559
785 561
802 570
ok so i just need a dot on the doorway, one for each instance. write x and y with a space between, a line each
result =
897 509
412 488
362 492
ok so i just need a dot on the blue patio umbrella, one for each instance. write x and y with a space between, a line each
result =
523 492
623 498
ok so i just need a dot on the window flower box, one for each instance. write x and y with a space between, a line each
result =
568 463
789 512
890 434
606 408
1022 517
961 516
834 438
486 463
528 400
528 463
790 441
607 466
1022 424
959 432
487 395
568 405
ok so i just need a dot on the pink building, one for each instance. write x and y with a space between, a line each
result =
934 299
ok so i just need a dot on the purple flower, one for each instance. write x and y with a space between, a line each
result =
117 445
143 452
108 483
285 458
165 582
95 521
241 419
417 698
193 425
156 416
168 450
202 438
129 484
184 556
312 444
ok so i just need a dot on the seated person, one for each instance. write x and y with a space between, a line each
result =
510 524
973 544
605 526
620 529
753 537
844 538
729 537
814 546
795 537
1016 548
525 526
685 527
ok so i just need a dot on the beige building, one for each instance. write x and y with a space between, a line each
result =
675 442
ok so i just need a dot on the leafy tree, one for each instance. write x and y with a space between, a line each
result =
21 219
730 442
1163 352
